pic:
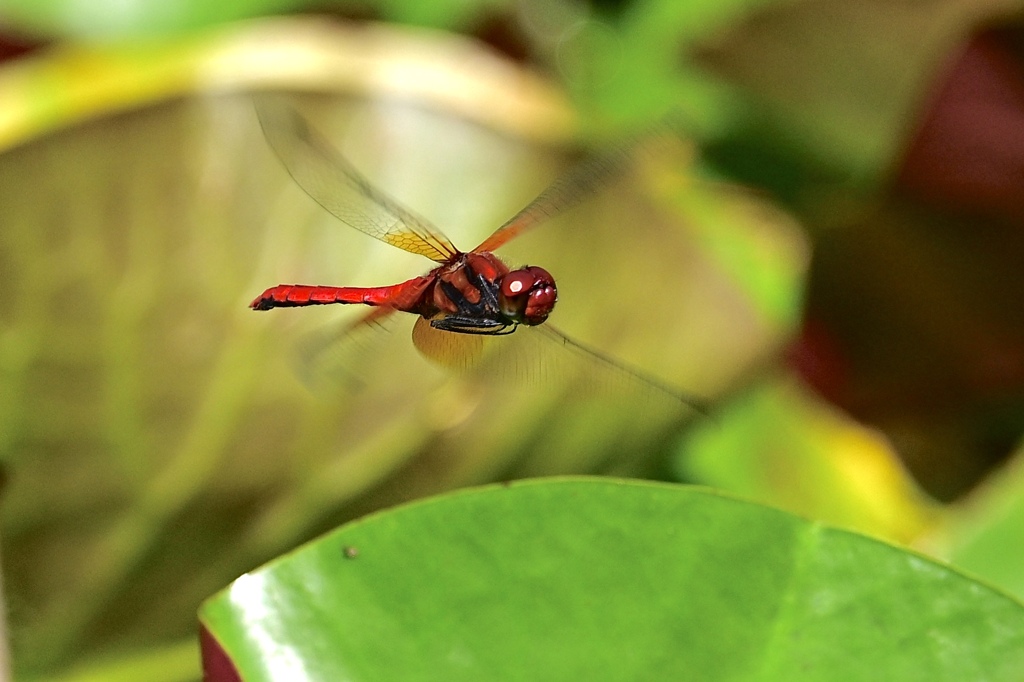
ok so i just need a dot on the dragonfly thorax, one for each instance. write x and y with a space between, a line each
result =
478 294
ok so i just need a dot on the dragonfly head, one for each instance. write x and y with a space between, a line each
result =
527 295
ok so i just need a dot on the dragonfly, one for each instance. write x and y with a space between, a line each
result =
468 292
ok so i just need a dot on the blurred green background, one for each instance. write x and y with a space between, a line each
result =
832 256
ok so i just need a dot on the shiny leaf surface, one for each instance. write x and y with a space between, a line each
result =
585 578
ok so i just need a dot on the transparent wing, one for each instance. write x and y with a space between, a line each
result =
336 355
326 176
611 373
451 350
544 358
579 183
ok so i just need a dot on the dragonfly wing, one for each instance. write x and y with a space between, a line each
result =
326 176
545 358
605 372
450 350
335 355
579 183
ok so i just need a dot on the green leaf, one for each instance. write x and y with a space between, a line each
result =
595 578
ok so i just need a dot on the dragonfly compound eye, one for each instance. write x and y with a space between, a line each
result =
528 295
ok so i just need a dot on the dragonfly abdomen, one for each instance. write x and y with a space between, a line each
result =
296 295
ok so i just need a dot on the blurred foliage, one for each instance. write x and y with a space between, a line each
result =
984 534
136 241
157 439
778 438
71 20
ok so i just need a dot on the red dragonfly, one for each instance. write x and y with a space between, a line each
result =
469 292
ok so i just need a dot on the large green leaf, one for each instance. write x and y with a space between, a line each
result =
586 579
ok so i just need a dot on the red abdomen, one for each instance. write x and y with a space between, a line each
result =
402 296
